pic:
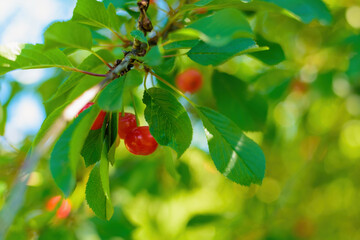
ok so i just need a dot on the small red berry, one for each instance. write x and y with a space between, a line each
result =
140 141
153 2
99 119
52 203
64 209
299 86
126 124
202 10
189 81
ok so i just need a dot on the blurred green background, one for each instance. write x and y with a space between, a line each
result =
311 142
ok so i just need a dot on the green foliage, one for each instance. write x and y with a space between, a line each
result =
68 34
280 80
307 10
233 98
91 63
235 155
93 146
65 155
111 98
273 56
167 118
93 13
139 35
96 191
222 27
28 56
210 55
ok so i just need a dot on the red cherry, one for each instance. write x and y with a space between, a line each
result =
99 119
52 203
202 10
189 81
140 141
126 124
64 210
299 86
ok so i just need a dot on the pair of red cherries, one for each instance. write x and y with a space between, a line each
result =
138 139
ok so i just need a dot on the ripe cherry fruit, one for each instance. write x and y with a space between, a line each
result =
64 209
190 80
126 124
99 119
140 141
52 203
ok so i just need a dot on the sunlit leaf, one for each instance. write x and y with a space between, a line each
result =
222 27
235 155
68 34
28 56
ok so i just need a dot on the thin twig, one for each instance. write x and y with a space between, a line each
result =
84 72
134 106
101 59
173 88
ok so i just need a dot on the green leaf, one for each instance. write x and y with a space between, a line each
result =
28 56
170 157
91 64
203 219
222 27
248 110
235 155
68 34
153 57
133 79
205 54
139 35
66 152
91 12
104 174
108 230
181 44
273 56
95 194
111 98
306 10
115 20
93 146
273 83
168 120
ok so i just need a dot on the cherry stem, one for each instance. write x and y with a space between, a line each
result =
101 59
122 110
146 74
133 102
123 39
173 88
85 72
